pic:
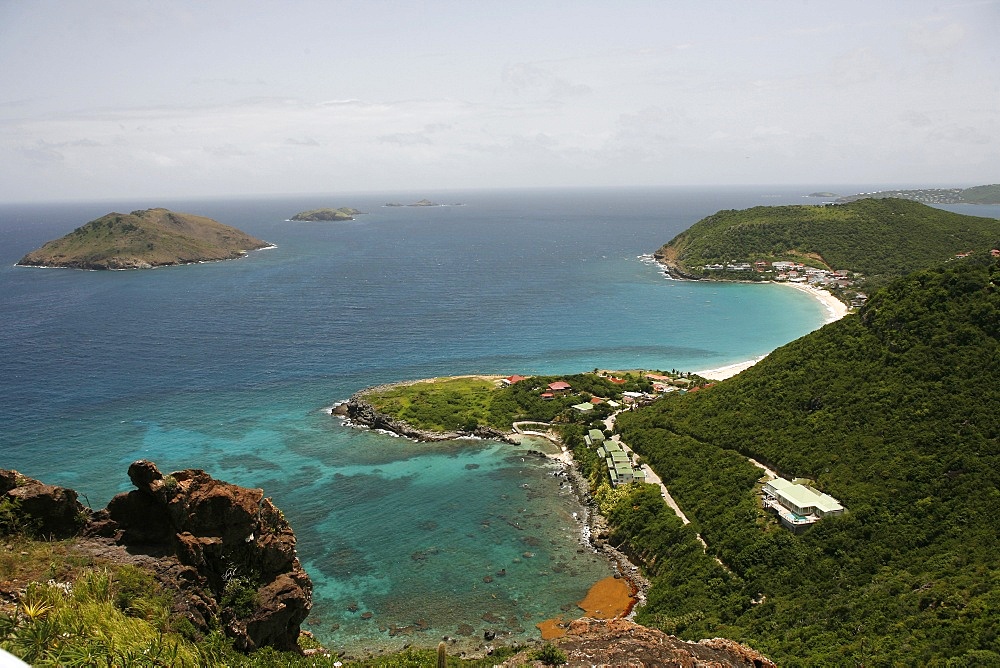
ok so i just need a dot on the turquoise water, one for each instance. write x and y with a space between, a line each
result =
231 367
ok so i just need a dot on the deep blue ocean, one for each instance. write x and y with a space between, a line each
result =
231 367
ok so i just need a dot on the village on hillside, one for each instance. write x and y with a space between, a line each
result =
797 272
796 503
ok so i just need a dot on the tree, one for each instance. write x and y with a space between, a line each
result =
550 655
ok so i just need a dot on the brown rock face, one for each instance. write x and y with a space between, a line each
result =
45 510
619 642
235 540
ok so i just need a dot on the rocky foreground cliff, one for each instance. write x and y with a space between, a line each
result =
206 541
203 538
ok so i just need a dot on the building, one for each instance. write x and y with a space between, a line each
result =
798 505
619 464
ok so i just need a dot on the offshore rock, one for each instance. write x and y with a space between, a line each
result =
220 539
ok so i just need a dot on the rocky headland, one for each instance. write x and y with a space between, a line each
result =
201 537
142 240
357 411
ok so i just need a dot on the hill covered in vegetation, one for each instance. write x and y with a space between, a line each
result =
894 412
144 239
343 213
879 238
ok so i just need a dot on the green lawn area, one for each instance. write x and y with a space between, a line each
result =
446 404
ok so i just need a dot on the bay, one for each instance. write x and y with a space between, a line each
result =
231 367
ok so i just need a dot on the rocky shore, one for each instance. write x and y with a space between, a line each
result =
594 527
199 536
356 411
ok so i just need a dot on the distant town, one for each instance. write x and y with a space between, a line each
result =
796 272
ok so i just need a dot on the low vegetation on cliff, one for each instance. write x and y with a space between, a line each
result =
144 239
879 238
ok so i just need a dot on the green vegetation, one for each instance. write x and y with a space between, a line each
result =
143 239
982 194
894 412
72 609
879 238
462 403
550 655
343 213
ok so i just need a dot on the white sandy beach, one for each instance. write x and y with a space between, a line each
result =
835 310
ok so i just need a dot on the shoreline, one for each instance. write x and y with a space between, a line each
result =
835 310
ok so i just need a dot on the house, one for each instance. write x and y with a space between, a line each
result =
798 505
584 408
560 386
594 437
510 380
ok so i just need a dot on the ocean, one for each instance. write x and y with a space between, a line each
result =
231 367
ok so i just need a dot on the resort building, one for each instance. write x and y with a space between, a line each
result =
619 464
798 505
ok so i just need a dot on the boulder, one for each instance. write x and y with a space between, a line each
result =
223 532
46 510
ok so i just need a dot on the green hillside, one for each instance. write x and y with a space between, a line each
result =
879 238
982 194
893 411
143 239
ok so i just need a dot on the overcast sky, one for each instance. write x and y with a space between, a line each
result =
109 98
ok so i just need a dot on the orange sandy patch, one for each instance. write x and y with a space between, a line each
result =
552 628
611 597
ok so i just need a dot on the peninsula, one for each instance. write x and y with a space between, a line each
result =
343 213
848 249
144 239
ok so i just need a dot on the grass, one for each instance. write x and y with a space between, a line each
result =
447 404
69 609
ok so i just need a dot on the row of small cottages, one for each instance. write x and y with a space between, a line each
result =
619 464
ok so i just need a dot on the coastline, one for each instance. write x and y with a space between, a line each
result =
593 526
835 310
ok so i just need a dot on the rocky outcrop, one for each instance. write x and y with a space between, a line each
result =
360 412
620 642
228 546
44 510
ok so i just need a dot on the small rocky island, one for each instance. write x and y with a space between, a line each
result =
343 213
142 240
423 202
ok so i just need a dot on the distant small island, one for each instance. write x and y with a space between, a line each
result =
343 213
423 202
142 240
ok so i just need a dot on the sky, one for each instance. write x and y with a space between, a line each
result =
113 98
